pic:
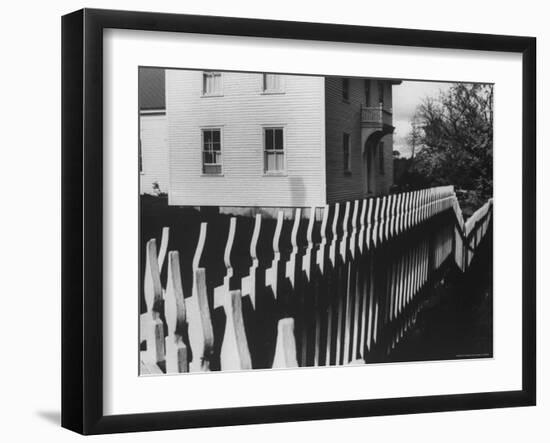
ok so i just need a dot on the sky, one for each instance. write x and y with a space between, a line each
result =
406 97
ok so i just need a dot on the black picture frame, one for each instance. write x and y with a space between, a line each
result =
82 215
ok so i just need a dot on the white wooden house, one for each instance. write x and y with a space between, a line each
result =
264 140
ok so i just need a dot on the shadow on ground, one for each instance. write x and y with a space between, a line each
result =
457 320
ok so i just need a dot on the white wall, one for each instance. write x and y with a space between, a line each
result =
30 375
154 153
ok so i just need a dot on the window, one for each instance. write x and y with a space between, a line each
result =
211 151
345 88
211 83
380 92
274 149
381 158
346 153
367 92
272 83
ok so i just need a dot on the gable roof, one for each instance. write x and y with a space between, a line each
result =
151 87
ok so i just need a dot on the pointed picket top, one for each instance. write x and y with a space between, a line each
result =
343 242
410 210
200 246
174 304
295 227
277 234
152 287
362 224
421 205
332 251
291 263
229 245
431 201
397 214
220 291
375 222
163 246
309 234
285 349
322 247
403 212
419 202
368 231
416 205
235 354
248 283
353 235
393 204
255 237
306 262
383 216
271 273
389 216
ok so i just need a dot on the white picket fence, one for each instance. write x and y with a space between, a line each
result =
346 287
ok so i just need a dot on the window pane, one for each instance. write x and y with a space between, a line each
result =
212 169
270 161
211 83
272 82
207 137
217 157
280 162
216 136
269 139
278 139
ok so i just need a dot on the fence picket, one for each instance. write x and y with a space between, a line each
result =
175 313
234 354
285 353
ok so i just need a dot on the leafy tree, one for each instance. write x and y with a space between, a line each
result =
453 138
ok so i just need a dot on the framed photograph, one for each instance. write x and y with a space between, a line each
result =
269 221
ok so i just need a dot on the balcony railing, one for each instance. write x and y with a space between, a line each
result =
376 116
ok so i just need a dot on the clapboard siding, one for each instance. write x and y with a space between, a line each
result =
154 153
242 112
345 116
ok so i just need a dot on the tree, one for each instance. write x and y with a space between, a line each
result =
455 143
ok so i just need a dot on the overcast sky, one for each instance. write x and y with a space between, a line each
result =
406 97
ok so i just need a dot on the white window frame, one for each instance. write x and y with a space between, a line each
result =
279 90
204 93
282 172
212 174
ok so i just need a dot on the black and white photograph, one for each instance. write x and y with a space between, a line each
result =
291 221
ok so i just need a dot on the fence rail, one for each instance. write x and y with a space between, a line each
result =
341 284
